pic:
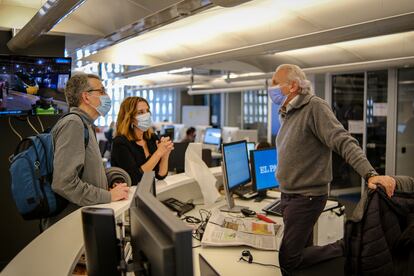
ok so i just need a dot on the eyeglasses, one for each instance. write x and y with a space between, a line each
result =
101 91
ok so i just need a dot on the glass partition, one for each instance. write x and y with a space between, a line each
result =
405 123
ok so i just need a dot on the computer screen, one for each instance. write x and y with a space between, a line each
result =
33 85
250 147
161 242
168 131
236 171
264 163
212 136
228 133
236 164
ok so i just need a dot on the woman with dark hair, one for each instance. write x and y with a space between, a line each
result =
136 148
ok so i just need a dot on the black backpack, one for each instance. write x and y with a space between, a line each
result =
31 173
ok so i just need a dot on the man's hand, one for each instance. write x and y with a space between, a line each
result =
385 181
119 192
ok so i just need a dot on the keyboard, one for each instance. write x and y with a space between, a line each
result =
273 208
245 192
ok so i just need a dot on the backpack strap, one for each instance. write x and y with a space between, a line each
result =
85 133
85 127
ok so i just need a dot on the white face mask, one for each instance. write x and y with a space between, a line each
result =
144 121
104 105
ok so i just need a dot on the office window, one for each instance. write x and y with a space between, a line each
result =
254 107
254 111
376 119
348 106
161 101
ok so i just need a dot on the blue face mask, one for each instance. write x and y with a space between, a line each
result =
104 106
144 121
276 95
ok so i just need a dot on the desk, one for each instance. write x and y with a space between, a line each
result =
56 251
225 259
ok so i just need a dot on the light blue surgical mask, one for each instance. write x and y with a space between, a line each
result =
276 95
104 106
144 121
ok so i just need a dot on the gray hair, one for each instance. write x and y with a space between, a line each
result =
77 84
295 73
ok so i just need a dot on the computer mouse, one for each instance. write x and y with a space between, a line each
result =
247 212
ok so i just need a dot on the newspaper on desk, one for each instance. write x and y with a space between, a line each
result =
224 230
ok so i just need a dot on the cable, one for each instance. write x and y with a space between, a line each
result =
40 122
14 131
263 264
191 219
197 246
30 124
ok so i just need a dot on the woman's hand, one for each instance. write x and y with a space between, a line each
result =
164 146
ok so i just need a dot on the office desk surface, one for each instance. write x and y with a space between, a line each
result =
225 259
56 250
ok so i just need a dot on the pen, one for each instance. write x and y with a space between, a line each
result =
264 218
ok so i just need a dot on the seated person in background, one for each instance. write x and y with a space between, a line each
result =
109 135
81 177
136 148
263 145
190 135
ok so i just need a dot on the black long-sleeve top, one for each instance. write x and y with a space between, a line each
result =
130 156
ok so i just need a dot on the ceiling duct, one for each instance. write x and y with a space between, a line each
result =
228 3
51 13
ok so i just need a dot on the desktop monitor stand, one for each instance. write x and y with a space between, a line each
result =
230 206
260 196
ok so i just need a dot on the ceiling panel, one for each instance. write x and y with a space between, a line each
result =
261 27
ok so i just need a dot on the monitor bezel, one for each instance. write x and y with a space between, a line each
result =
225 165
249 151
171 231
205 132
29 112
253 169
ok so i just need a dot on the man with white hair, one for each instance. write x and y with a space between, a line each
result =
308 134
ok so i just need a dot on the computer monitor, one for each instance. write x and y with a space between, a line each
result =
212 136
200 130
161 242
179 132
33 85
168 131
103 255
227 134
236 171
264 163
249 135
250 146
